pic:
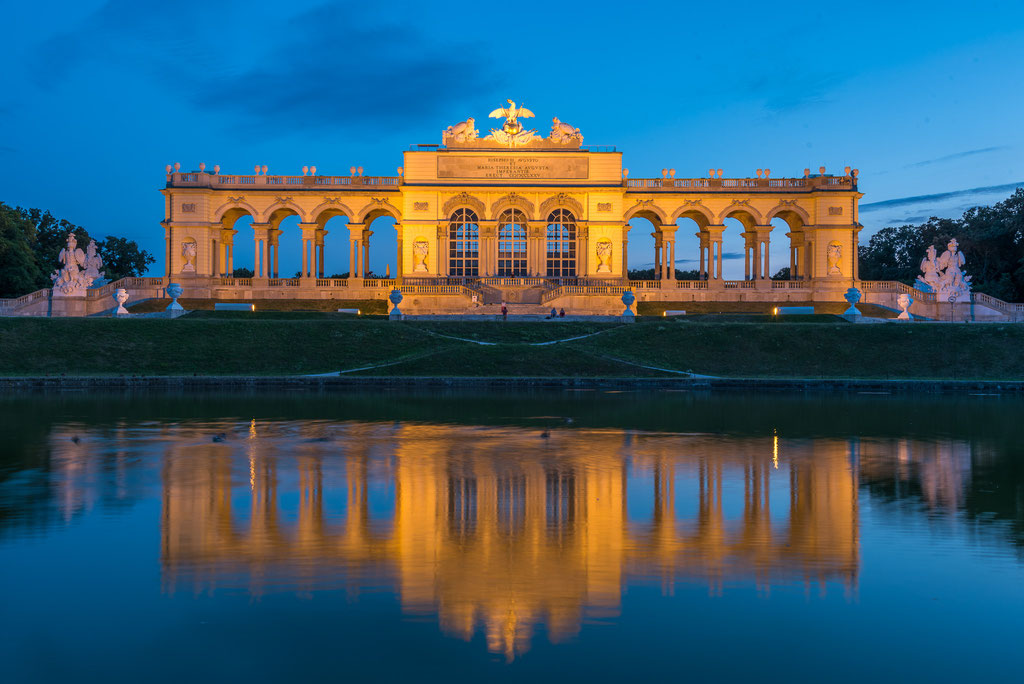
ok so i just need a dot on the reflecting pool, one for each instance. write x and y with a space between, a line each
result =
553 536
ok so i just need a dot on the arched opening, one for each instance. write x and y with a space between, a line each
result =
692 246
792 258
740 248
333 244
230 248
561 244
640 246
382 255
512 243
464 244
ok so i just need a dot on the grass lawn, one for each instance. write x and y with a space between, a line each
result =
294 343
765 308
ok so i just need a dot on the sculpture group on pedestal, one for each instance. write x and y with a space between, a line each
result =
78 269
944 275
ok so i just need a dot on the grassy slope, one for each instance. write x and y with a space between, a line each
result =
233 344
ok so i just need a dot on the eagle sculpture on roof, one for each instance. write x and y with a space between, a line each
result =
511 114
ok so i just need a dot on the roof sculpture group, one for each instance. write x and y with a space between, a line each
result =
511 133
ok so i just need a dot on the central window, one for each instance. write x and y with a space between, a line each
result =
561 244
512 243
464 241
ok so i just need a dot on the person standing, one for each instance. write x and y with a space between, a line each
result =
504 312
561 313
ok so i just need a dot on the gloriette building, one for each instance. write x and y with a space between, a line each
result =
511 215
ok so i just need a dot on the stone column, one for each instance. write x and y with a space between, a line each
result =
667 234
227 241
275 244
582 250
365 268
443 265
355 236
624 252
762 243
536 248
657 254
309 231
398 255
714 237
321 243
261 240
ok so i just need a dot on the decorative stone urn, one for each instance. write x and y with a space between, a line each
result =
852 296
120 296
905 301
396 298
174 290
628 298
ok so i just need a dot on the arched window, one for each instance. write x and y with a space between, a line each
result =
561 244
464 244
512 243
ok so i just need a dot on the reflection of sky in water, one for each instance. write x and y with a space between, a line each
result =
393 546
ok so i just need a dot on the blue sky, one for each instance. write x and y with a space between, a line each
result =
97 97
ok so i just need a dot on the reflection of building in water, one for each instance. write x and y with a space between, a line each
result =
942 470
502 529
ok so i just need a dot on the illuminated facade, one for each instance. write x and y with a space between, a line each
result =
513 216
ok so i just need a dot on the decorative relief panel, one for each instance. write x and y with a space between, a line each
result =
604 206
188 208
421 206
835 211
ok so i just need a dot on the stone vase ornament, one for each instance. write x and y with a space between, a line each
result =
852 296
604 256
628 298
905 301
395 298
120 296
174 290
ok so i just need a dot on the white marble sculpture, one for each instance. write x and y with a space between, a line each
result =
834 256
511 132
189 249
77 271
92 263
461 132
420 248
564 133
905 301
944 275
604 256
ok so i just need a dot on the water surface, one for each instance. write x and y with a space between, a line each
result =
553 536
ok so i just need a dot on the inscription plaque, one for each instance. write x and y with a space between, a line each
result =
509 167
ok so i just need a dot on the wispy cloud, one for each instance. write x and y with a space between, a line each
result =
958 155
918 199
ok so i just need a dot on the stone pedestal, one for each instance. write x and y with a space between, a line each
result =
68 306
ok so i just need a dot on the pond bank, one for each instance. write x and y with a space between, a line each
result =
243 383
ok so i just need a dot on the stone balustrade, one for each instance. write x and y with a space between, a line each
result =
767 185
230 181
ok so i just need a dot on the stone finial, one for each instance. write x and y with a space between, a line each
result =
312 170
719 173
846 171
305 170
759 172
216 168
625 173
202 167
359 170
257 169
767 172
664 173
671 173
821 170
264 170
855 172
401 171
177 166
169 167
711 173
807 173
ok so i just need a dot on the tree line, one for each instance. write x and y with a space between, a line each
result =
991 238
31 239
